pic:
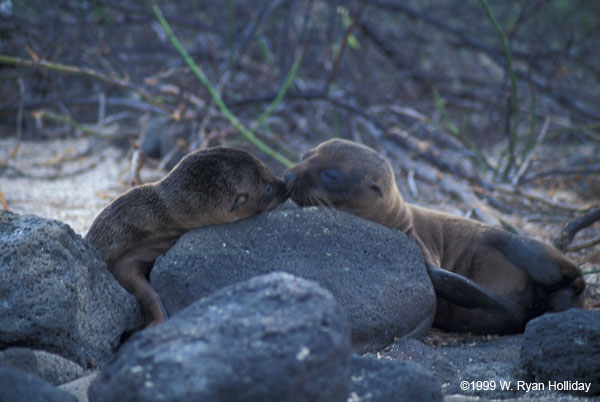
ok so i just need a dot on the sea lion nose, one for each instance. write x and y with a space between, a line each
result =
288 177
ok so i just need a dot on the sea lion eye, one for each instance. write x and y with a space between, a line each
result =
377 189
306 155
331 177
269 189
240 200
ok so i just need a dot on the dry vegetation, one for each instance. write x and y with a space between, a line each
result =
486 110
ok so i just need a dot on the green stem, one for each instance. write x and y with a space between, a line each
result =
282 91
513 81
233 120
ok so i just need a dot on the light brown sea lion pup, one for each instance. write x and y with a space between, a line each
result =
503 279
209 187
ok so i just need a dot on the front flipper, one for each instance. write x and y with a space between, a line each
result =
131 272
465 293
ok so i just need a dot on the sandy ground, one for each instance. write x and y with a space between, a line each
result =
59 180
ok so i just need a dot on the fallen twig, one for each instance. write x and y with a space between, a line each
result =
580 170
85 71
516 180
567 234
584 244
137 161
19 118
67 120
3 201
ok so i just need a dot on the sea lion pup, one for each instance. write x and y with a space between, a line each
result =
502 279
209 187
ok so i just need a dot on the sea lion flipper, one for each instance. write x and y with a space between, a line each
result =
463 292
529 255
131 273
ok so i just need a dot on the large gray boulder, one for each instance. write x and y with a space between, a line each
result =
376 274
380 380
20 386
273 338
57 295
50 367
563 350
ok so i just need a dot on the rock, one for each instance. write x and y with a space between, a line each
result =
155 129
50 367
475 367
19 386
272 338
376 274
80 387
57 295
493 363
430 359
378 380
564 347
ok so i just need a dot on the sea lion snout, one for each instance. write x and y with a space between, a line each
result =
277 192
288 177
300 187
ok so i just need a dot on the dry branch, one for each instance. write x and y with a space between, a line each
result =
570 230
84 71
342 49
467 40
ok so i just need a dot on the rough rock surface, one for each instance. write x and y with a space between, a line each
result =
431 359
379 380
563 347
376 274
80 387
57 295
19 386
485 364
50 367
272 338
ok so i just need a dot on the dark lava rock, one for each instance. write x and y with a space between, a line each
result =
19 386
50 367
376 274
564 348
471 367
427 357
57 295
378 380
272 338
489 362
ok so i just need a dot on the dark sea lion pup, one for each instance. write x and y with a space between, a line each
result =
502 279
210 187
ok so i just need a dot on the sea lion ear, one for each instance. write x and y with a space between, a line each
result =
240 200
377 189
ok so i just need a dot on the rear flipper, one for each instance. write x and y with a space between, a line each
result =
131 273
529 255
558 279
465 293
